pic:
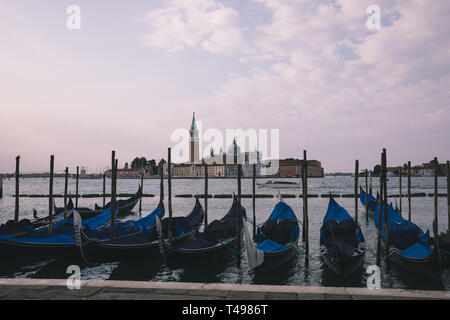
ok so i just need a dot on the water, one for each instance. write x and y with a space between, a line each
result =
230 270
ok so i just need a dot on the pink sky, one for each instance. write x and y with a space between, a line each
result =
134 73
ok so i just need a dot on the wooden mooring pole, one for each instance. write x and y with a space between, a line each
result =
104 190
76 187
448 194
169 185
380 205
367 198
50 196
161 188
112 206
66 183
206 195
356 189
305 203
435 198
238 216
400 190
385 200
409 191
16 208
1 186
142 190
254 199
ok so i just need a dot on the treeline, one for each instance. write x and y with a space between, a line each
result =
149 166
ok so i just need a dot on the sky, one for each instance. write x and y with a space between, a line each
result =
136 71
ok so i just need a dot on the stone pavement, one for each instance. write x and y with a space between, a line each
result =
49 289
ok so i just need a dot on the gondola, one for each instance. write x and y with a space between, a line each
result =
23 227
39 245
136 239
409 247
371 200
125 207
217 240
342 244
277 238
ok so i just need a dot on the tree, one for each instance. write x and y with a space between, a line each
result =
377 170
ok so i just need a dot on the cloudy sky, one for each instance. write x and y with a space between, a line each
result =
137 70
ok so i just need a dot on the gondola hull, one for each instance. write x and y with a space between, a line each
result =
274 260
10 250
427 266
344 267
182 256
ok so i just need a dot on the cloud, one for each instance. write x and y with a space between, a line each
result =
190 23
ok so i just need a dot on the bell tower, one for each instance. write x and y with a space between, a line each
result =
194 141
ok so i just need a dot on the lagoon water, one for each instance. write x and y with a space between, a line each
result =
231 270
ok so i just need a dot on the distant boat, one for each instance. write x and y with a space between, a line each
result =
279 184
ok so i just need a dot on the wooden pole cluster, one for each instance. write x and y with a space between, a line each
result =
50 196
112 206
254 199
66 183
409 191
206 195
169 182
385 200
16 208
76 187
305 202
356 189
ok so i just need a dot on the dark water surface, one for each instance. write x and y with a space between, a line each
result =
231 269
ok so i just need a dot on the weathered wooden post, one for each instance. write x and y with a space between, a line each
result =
370 182
142 190
206 195
16 208
356 189
112 206
1 186
367 197
305 203
66 182
380 211
238 216
169 183
386 215
448 194
104 190
400 190
50 196
76 187
409 191
161 182
254 199
436 169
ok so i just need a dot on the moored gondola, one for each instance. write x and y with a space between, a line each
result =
276 239
409 247
217 241
136 239
38 245
342 244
